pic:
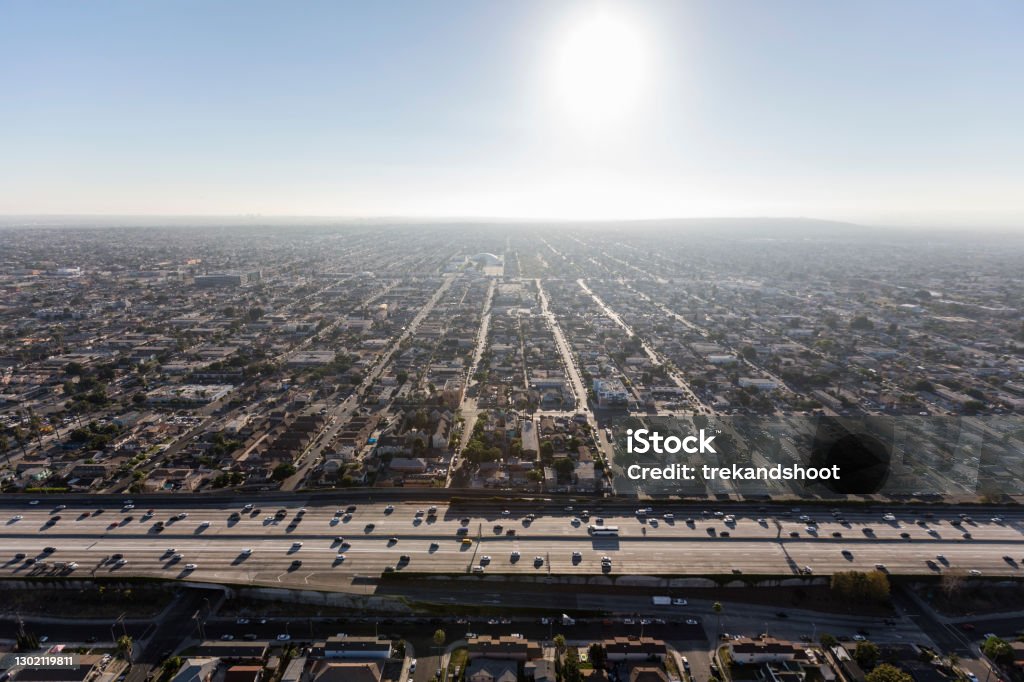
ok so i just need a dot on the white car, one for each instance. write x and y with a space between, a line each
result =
191 567
204 524
247 551
974 572
283 637
17 517
341 557
679 602
859 638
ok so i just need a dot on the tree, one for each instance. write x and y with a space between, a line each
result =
827 640
999 650
124 646
598 656
171 665
564 467
283 471
547 450
866 654
860 586
861 323
888 673
559 641
571 667
439 637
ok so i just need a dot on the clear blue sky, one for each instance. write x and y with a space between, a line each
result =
906 112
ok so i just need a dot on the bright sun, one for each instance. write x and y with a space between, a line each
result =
599 70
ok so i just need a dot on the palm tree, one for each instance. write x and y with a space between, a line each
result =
717 608
559 641
124 646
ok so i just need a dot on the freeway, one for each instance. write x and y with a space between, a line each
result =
302 549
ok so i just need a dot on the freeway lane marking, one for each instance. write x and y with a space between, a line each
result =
232 537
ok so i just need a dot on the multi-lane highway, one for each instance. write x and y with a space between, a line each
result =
303 549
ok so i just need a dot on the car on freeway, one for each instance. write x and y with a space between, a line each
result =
692 621
191 567
247 551
974 572
283 637
242 621
679 602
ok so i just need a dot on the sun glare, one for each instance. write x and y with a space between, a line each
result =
599 70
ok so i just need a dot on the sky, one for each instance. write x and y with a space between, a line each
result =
901 113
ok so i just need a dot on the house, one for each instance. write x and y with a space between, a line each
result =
198 669
85 670
408 465
348 671
766 649
243 673
233 652
647 673
492 670
505 647
356 647
634 649
540 670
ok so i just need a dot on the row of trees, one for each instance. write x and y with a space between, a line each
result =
860 586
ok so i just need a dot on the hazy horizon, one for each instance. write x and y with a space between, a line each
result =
900 114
